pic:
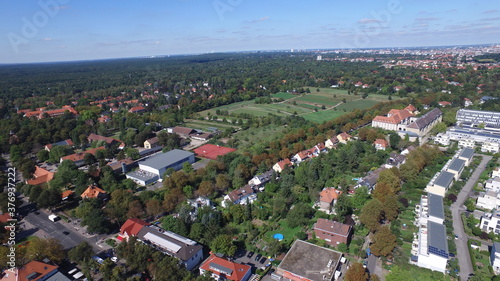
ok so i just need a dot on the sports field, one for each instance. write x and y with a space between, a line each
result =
317 106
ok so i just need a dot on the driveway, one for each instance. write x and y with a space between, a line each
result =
456 209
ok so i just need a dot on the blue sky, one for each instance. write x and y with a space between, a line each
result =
62 30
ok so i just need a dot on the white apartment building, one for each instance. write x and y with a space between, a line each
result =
493 147
495 257
488 200
493 185
430 248
490 222
474 118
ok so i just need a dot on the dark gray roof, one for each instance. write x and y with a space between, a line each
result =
456 164
425 120
310 261
444 179
467 153
171 243
436 236
496 247
166 159
436 208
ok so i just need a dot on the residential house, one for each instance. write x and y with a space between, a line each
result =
104 119
444 103
261 179
240 196
493 184
331 143
371 179
490 222
344 137
198 203
108 140
442 139
222 269
131 228
440 183
306 261
466 154
467 102
49 147
432 247
280 166
65 195
137 109
495 257
495 173
430 209
152 142
455 166
94 192
333 232
395 160
488 200
40 176
328 197
34 271
467 143
380 144
492 147
78 158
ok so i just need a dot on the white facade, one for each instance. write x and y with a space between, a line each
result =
493 185
490 222
492 147
467 142
442 139
495 257
488 200
423 244
495 173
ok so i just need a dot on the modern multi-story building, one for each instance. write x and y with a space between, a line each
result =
490 222
475 118
495 257
488 200
432 247
440 183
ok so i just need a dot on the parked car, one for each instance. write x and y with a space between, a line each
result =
250 254
257 258
263 260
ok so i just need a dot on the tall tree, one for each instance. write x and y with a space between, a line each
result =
356 272
371 214
384 242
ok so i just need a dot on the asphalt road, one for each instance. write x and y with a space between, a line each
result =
456 209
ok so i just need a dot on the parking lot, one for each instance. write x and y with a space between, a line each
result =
242 257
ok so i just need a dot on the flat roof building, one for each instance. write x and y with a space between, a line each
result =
474 118
440 183
306 261
159 163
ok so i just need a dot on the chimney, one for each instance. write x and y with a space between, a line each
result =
124 168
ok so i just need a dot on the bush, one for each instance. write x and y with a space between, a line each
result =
452 197
301 235
476 231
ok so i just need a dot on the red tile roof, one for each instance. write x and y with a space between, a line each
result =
132 226
40 176
329 194
284 163
381 142
92 192
40 271
237 271
395 116
137 109
334 227
79 156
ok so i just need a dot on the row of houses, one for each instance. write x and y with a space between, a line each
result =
486 140
430 244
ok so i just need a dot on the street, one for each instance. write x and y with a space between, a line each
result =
456 209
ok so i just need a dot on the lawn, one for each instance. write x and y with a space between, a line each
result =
303 105
246 138
288 233
284 96
203 125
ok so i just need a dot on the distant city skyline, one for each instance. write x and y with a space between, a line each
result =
66 30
